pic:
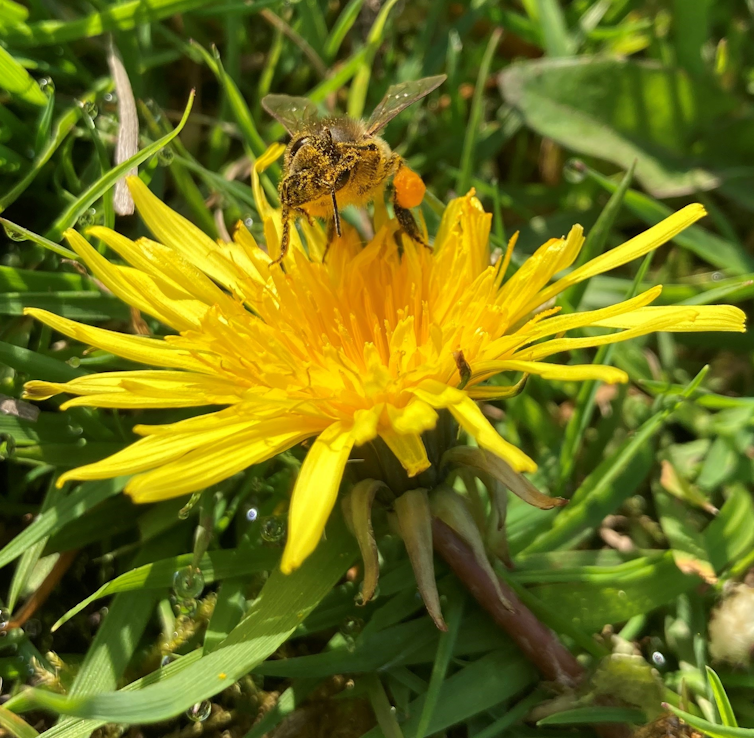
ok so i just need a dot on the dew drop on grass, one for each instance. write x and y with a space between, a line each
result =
4 618
574 171
199 712
13 233
351 627
273 529
188 583
47 86
248 222
252 514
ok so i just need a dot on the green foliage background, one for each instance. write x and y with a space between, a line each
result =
660 87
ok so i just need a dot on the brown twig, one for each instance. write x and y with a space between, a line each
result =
537 642
37 599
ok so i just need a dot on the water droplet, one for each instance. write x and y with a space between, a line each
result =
273 529
4 618
86 218
574 171
165 157
621 594
188 583
74 361
110 97
199 712
185 511
13 233
30 153
359 599
405 94
47 86
90 108
658 659
252 514
717 276
351 627
248 222
168 658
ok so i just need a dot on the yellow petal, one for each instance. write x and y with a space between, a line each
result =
150 452
214 462
415 418
633 249
141 388
472 420
315 493
180 234
707 318
408 449
561 372
135 348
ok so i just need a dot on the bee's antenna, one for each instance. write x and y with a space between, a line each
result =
335 211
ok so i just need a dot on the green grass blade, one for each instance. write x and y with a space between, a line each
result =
721 699
119 17
596 714
557 40
69 508
596 239
710 729
63 127
382 708
16 726
475 116
342 26
357 95
37 366
16 80
442 659
284 603
41 240
69 216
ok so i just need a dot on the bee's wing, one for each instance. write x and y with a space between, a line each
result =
292 112
399 97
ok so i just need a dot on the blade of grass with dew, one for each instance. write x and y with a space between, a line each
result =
41 240
37 366
85 497
284 602
119 17
357 95
215 566
69 216
454 614
87 307
63 127
475 116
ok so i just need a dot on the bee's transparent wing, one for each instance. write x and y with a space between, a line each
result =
399 97
294 113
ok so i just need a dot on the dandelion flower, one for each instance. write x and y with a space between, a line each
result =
371 343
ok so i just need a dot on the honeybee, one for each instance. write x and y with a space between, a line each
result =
333 162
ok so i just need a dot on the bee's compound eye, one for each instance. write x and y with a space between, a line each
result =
342 179
298 144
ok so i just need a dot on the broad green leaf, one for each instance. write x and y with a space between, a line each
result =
596 714
622 110
16 80
284 602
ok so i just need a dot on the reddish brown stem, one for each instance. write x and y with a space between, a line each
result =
37 599
537 642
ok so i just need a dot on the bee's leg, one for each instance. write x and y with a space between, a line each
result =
330 237
407 223
285 239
